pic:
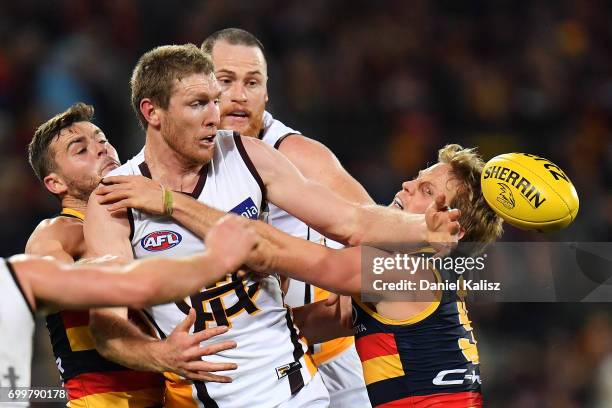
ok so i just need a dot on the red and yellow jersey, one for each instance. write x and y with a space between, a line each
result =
426 360
89 379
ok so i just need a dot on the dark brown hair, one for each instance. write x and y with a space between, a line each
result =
40 155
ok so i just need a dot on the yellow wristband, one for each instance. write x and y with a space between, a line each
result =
168 201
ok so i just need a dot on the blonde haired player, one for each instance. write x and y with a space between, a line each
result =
416 351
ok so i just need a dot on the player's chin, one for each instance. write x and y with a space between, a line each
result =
203 154
240 125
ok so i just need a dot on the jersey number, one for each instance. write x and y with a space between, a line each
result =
218 311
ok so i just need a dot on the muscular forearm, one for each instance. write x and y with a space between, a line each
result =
199 218
165 280
119 340
381 226
337 271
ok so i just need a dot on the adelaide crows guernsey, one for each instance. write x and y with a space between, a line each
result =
429 359
271 360
91 380
16 331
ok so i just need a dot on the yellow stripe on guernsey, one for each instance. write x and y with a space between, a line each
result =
179 392
127 399
382 368
330 349
309 359
74 213
80 338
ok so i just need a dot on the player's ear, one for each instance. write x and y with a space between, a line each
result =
55 184
150 111
461 233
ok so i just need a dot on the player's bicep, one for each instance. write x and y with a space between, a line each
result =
106 233
318 163
291 191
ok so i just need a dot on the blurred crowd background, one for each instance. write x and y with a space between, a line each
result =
384 84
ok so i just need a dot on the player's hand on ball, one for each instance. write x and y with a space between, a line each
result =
139 192
442 225
182 353
234 239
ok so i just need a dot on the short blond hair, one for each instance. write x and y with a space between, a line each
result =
154 75
482 225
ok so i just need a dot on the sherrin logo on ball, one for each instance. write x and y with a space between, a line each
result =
529 192
161 240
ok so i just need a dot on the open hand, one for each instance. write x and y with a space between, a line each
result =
182 352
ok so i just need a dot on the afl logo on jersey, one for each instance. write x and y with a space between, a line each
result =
161 240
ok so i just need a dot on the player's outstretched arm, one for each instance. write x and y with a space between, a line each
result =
141 283
336 217
335 270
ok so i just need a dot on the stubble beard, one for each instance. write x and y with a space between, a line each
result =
82 189
170 134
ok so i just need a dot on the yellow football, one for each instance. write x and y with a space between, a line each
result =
529 192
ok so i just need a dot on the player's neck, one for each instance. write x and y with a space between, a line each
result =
169 167
74 203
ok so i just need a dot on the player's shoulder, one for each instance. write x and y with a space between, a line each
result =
57 234
302 148
57 227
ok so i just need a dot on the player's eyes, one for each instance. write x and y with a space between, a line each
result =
225 81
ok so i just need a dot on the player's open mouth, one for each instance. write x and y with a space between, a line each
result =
209 139
239 114
398 203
